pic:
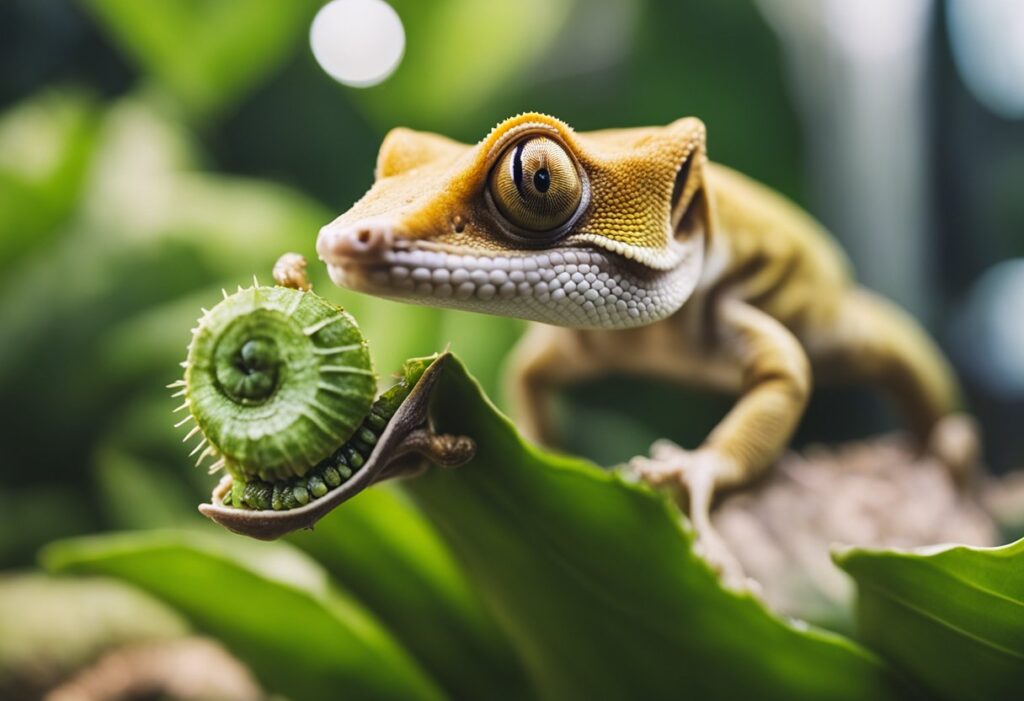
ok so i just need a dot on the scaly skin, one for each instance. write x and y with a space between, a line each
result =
669 266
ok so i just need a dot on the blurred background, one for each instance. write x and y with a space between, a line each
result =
152 153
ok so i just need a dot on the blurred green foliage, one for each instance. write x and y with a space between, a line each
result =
52 627
297 635
192 142
45 148
205 54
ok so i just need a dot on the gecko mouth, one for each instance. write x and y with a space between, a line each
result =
579 287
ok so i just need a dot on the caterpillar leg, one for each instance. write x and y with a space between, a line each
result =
875 342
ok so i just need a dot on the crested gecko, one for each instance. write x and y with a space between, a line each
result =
636 254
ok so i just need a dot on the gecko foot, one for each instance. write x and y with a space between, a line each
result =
956 441
695 473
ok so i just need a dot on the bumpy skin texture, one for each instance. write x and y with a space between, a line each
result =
672 267
443 241
275 380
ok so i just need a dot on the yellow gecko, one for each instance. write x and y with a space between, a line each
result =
637 255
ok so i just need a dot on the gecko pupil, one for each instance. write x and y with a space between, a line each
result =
542 180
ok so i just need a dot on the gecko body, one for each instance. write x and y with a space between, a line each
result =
639 256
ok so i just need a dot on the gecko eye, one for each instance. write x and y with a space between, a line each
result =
536 185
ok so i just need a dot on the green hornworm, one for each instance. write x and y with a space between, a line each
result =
279 384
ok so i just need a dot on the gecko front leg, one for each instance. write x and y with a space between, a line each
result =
695 473
546 358
776 383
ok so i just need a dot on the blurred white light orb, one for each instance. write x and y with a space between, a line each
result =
987 37
357 42
989 332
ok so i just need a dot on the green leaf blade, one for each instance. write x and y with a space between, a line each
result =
379 548
299 640
951 617
596 582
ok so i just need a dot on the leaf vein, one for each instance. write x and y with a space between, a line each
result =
942 622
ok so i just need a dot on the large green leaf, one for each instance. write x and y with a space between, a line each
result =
596 582
298 637
952 616
379 548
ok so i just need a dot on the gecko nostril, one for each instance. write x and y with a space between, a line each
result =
364 240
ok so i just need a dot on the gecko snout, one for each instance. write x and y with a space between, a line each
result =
363 241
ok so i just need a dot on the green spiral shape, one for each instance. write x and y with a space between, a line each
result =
276 379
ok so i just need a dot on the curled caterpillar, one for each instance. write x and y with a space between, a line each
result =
405 441
332 471
281 389
279 385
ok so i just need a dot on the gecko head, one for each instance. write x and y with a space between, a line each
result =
596 230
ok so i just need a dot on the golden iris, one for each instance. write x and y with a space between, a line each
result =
536 185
